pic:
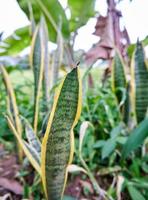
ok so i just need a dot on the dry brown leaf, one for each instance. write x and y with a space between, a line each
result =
11 185
108 29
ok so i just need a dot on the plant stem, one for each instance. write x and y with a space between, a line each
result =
96 186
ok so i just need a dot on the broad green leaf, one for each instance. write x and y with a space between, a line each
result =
16 42
13 109
136 138
121 139
99 144
118 76
38 60
108 147
134 193
81 11
26 150
52 11
117 130
58 142
139 83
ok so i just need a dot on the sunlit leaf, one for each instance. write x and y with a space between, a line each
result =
53 16
16 42
81 11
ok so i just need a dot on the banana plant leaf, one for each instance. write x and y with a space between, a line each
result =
53 13
15 43
81 11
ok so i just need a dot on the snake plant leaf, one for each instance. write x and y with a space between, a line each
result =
16 42
57 58
136 138
31 17
33 152
127 105
58 142
131 47
139 83
32 138
46 76
118 76
12 104
37 62
25 148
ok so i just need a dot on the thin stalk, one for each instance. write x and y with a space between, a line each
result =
96 186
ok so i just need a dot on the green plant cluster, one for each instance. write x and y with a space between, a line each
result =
111 135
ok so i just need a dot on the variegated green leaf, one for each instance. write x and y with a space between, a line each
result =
118 76
139 83
31 17
38 60
57 58
127 105
46 77
12 107
34 160
33 152
32 137
58 142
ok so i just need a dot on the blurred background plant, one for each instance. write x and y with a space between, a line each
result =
115 100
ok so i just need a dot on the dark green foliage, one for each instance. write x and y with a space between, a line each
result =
118 79
140 73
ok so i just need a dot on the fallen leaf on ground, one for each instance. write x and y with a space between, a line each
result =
11 185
